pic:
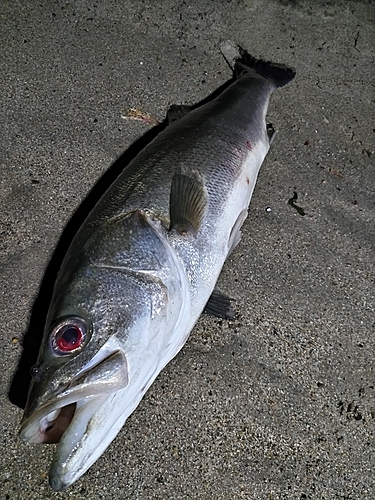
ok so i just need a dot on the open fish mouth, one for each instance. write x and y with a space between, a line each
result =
69 426
77 403
50 424
55 423
85 417
50 427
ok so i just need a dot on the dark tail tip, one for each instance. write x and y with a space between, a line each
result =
242 62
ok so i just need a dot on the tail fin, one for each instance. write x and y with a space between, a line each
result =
242 62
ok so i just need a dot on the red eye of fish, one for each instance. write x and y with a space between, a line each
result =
68 335
69 339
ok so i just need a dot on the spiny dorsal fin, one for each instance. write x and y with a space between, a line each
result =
188 200
177 111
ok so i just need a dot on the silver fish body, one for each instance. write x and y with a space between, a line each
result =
142 267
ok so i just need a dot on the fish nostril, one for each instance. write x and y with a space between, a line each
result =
36 372
49 428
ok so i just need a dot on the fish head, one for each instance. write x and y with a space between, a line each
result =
86 364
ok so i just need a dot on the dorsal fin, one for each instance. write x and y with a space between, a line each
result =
177 111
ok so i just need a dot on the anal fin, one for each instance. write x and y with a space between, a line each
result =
271 132
219 305
188 200
235 234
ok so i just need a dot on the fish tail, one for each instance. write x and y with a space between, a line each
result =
243 63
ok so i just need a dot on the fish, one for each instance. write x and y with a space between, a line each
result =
143 267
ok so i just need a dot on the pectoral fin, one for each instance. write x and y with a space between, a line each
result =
188 200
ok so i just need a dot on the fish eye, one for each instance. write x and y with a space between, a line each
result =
68 335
